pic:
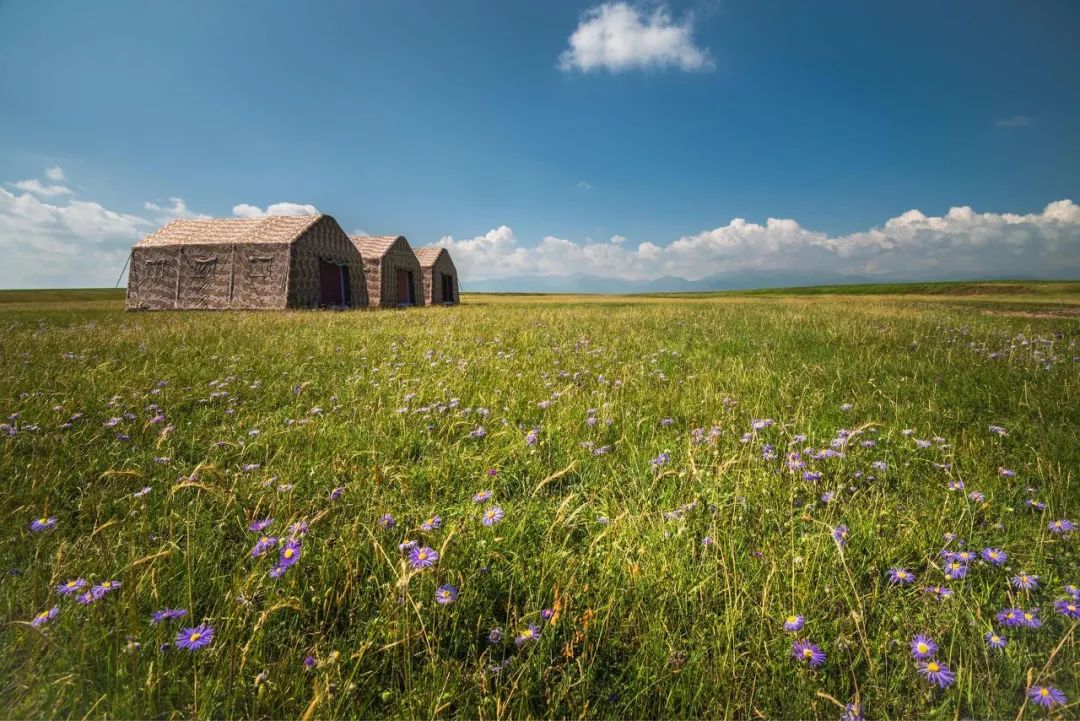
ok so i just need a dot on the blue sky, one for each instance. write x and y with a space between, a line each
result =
575 122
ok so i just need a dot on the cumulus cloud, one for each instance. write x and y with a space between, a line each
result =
1014 121
36 187
55 174
177 209
618 36
51 245
253 211
961 243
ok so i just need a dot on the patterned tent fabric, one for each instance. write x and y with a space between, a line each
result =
439 272
219 263
388 261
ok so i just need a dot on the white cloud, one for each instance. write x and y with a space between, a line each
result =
46 245
583 185
618 36
55 174
253 211
36 187
617 239
961 243
1015 121
178 209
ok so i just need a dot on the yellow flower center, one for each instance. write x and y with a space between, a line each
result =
43 520
933 667
807 653
195 636
1027 617
106 584
923 648
1071 606
995 639
527 633
792 619
1044 692
70 584
288 553
422 555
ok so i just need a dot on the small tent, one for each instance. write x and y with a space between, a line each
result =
390 269
440 276
272 262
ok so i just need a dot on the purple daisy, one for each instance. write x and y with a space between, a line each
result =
1047 696
901 576
386 521
423 556
336 493
529 633
492 516
1062 526
167 613
1025 581
298 529
495 635
263 545
446 594
937 673
808 653
86 598
923 647
290 553
941 592
195 638
794 623
481 497
1010 617
45 616
994 556
840 534
955 569
1068 609
431 524
1072 591
262 525
1029 619
104 587
995 640
45 523
69 587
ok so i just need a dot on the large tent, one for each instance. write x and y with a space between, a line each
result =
391 270
273 262
440 276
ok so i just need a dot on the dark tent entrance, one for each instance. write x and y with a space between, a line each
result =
333 284
405 287
447 288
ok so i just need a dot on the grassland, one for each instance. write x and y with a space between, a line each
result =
657 549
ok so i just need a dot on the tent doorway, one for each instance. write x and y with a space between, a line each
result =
405 287
333 284
447 288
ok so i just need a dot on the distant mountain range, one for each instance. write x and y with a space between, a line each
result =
744 280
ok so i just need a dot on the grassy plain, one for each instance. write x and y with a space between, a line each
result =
667 554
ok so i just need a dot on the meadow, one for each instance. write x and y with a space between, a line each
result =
725 506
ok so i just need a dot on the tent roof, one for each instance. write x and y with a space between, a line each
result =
271 229
376 246
430 255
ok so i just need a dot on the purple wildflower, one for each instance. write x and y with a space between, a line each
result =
1047 696
529 633
298 529
446 594
1062 526
661 459
45 616
923 647
290 553
492 516
995 556
423 556
995 640
1010 617
1028 619
195 638
263 545
1025 581
532 437
167 613
808 653
794 623
937 673
103 588
955 570
45 523
386 521
1068 609
258 526
901 576
481 496
840 534
431 524
69 587
336 493
495 635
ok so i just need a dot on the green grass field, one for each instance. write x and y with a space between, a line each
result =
672 474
